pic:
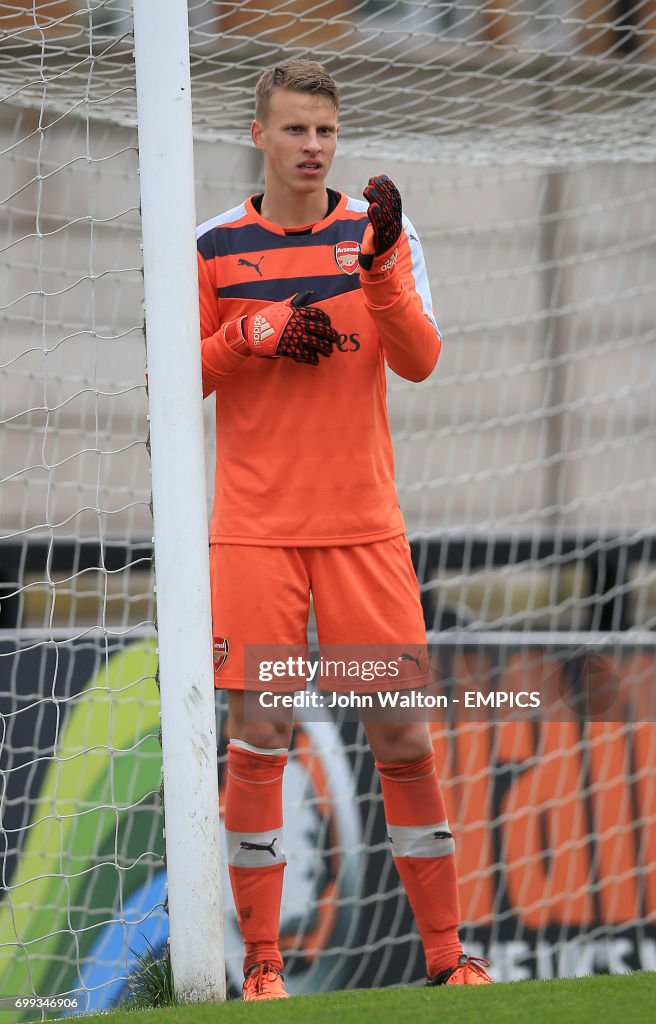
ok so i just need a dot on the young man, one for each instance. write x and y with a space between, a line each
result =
305 294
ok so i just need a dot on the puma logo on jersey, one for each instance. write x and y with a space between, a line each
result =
244 845
409 657
247 263
262 329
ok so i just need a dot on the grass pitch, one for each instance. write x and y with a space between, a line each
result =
623 998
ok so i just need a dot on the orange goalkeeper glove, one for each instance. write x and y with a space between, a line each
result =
291 328
381 237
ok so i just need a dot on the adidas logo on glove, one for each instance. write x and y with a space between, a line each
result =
389 263
293 328
262 329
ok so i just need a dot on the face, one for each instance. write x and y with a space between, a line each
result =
298 139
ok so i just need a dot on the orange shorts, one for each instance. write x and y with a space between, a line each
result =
363 594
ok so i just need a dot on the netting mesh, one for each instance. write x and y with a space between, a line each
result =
537 82
521 137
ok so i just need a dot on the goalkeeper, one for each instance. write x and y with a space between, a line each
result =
305 295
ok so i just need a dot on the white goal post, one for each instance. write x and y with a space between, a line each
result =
191 796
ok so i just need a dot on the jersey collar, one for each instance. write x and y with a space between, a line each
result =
313 228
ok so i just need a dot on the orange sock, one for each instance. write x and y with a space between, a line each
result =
424 855
256 856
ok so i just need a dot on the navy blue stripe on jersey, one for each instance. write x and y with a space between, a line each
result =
229 241
279 289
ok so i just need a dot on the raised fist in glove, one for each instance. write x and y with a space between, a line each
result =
381 236
292 328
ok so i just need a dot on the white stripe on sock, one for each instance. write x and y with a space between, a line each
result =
268 850
421 840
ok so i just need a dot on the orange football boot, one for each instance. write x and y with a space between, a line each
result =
263 981
470 971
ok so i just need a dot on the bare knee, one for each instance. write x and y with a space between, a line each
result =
270 734
398 741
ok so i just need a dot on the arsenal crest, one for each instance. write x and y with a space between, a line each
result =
220 651
346 256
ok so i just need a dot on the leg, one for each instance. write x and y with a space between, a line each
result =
257 755
271 735
259 594
369 595
398 741
421 841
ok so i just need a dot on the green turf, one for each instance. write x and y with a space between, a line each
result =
604 999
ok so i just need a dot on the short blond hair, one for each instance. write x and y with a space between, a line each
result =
297 74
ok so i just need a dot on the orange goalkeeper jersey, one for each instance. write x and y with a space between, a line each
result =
304 453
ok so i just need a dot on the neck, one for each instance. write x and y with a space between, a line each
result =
291 210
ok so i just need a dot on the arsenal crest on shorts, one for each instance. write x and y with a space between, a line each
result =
346 256
220 651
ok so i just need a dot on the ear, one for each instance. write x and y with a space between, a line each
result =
257 134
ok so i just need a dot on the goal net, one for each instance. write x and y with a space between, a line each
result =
520 133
